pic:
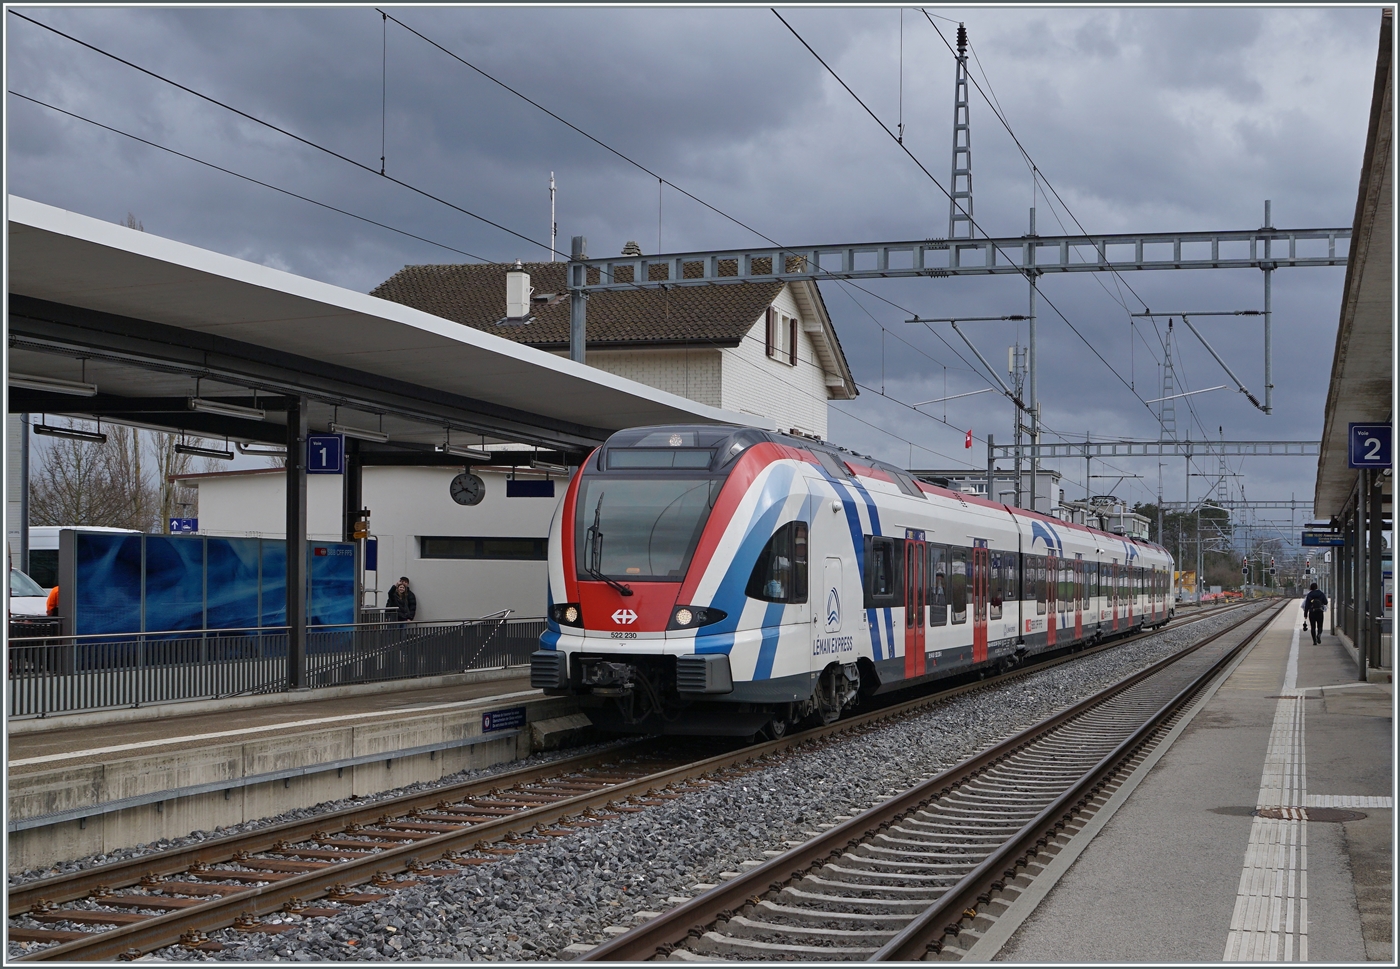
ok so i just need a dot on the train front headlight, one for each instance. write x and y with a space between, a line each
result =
568 614
690 617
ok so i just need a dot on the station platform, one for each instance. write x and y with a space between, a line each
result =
92 783
1190 867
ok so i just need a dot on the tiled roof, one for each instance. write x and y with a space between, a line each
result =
475 295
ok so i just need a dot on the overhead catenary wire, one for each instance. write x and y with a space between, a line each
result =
939 185
283 131
247 178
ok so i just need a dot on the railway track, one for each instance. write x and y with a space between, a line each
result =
179 896
897 881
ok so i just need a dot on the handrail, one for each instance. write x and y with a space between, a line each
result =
501 616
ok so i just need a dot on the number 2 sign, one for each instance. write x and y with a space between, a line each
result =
325 454
1368 445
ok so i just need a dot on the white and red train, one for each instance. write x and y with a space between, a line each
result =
712 579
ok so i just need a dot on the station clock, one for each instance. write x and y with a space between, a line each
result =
467 489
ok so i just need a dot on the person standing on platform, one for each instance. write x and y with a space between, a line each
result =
1313 605
401 597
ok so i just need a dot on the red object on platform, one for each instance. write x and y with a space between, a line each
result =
967 441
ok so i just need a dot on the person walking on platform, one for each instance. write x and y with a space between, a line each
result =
401 597
1313 605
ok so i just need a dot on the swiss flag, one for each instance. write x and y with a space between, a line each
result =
967 441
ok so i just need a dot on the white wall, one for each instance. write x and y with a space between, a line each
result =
758 384
405 504
694 374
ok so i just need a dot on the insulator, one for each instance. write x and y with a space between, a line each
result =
962 40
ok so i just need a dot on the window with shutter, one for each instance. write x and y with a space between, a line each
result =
768 341
792 341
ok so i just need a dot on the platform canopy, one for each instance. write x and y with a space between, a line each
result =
152 323
1362 371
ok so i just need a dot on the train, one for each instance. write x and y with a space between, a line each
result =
729 581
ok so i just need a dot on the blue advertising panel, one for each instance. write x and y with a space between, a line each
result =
332 571
107 593
274 584
128 583
325 454
1368 445
174 583
233 582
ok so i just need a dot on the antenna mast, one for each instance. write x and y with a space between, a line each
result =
960 186
553 226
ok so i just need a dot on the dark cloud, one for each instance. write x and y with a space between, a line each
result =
1143 120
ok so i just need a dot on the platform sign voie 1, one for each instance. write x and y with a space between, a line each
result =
325 454
1322 539
184 526
1368 445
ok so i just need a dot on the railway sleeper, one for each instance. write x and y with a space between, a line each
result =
969 857
746 928
884 868
951 838
714 943
814 886
852 875
799 916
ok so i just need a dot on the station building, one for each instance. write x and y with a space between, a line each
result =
762 349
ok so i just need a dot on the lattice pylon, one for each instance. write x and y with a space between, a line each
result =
960 224
1167 414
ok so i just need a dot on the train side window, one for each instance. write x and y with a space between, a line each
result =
957 584
995 586
884 558
1011 588
938 585
780 574
1038 569
1091 579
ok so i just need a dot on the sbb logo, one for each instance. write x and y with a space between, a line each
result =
624 617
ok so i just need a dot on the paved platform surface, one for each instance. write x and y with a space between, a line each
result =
1185 871
291 712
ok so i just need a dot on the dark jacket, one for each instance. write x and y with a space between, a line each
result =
1314 601
408 606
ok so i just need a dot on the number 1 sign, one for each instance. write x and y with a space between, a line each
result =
1368 445
325 454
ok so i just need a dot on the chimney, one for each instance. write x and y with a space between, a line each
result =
518 290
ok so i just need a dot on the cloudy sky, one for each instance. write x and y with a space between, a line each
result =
1141 119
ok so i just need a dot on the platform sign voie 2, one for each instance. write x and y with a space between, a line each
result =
1368 445
325 454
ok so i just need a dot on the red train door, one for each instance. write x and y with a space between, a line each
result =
915 598
1113 601
980 571
1132 593
1052 596
1078 596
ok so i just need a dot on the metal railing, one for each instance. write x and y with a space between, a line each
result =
70 674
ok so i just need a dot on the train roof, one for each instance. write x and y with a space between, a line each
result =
863 465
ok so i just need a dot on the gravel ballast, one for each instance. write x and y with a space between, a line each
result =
535 903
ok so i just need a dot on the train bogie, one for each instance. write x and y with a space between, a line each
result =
723 580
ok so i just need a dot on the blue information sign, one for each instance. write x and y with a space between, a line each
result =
511 719
325 454
1368 445
184 526
1322 539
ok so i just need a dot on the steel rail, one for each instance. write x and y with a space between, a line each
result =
945 916
658 936
162 930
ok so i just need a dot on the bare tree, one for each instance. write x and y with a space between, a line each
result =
132 222
87 483
124 483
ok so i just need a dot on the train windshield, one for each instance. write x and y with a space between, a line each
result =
644 529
